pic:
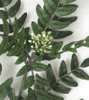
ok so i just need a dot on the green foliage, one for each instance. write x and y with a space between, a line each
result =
85 63
29 81
39 67
43 95
5 2
11 12
3 88
49 17
23 70
14 9
66 10
41 81
31 95
52 17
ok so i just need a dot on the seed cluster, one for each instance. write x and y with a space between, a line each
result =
42 42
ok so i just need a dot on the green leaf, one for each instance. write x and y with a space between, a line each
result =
41 81
79 43
50 6
55 55
2 94
44 18
31 95
13 51
5 2
43 95
10 93
29 81
0 68
22 57
67 1
85 63
23 70
58 24
60 88
56 97
61 34
69 81
68 47
7 83
36 28
4 13
22 20
62 69
22 37
56 47
14 9
50 75
5 25
66 10
70 19
16 30
3 46
39 67
81 74
87 39
74 62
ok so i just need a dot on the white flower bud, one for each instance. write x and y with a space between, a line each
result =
32 47
30 41
50 46
44 35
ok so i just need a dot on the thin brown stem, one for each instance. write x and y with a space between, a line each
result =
20 92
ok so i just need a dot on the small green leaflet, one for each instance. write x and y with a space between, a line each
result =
74 62
85 63
14 9
66 10
41 81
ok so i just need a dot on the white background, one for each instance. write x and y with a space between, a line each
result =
80 29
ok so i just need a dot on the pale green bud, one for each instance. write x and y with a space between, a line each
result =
31 46
50 46
41 49
49 33
43 32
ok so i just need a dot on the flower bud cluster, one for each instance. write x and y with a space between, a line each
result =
42 42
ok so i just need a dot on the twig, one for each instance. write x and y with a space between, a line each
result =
20 92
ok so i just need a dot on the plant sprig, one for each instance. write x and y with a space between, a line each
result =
16 41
